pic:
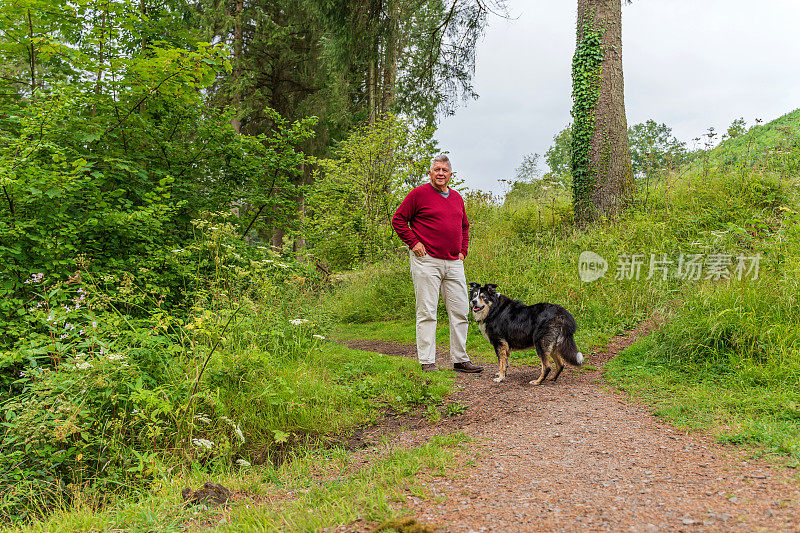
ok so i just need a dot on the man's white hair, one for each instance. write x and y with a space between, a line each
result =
441 158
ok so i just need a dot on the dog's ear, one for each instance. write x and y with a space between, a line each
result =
490 287
474 286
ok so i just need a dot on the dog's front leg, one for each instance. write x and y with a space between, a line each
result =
502 358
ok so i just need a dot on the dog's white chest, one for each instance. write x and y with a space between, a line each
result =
482 327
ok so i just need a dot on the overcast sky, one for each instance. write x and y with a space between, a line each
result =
690 64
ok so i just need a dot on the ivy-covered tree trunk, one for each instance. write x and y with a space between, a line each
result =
601 161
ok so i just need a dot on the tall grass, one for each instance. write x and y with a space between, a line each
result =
729 354
736 214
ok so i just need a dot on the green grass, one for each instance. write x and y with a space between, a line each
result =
310 491
728 358
727 361
282 405
479 349
772 146
318 397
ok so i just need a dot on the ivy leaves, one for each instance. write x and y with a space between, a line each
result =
586 71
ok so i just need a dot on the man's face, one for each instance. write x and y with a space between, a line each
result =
440 174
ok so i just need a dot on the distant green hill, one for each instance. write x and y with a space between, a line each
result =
770 146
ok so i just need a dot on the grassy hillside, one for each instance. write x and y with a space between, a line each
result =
726 231
773 146
729 357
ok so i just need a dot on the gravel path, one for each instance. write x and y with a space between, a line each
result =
576 455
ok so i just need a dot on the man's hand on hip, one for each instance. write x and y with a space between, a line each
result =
419 249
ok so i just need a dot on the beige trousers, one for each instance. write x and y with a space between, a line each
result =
430 275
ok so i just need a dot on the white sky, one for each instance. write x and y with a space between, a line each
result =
690 64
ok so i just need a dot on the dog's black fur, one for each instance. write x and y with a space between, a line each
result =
511 325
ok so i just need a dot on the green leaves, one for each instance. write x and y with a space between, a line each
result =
354 198
586 71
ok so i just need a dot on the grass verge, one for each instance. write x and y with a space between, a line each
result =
727 361
310 491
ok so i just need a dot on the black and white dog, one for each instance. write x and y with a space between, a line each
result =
511 325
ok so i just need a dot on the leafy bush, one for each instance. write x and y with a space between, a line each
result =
105 380
354 198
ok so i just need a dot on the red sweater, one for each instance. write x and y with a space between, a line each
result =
439 223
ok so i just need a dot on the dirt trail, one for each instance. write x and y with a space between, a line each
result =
576 455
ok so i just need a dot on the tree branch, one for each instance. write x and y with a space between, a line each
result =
140 102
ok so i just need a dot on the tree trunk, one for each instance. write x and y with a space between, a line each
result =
371 91
277 239
32 56
238 46
390 58
99 81
300 241
602 171
143 15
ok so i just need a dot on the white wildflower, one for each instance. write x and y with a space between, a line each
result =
242 462
63 336
83 365
202 418
236 428
298 321
178 251
203 443
94 323
320 337
282 265
69 327
116 357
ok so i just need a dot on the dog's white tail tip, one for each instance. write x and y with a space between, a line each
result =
579 358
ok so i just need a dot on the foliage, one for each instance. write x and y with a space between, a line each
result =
414 59
773 147
140 324
586 71
351 205
730 356
103 397
654 149
737 127
331 485
531 250
559 155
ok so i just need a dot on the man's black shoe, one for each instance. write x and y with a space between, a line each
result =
430 367
468 367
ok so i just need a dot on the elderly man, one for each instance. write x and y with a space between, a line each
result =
437 238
